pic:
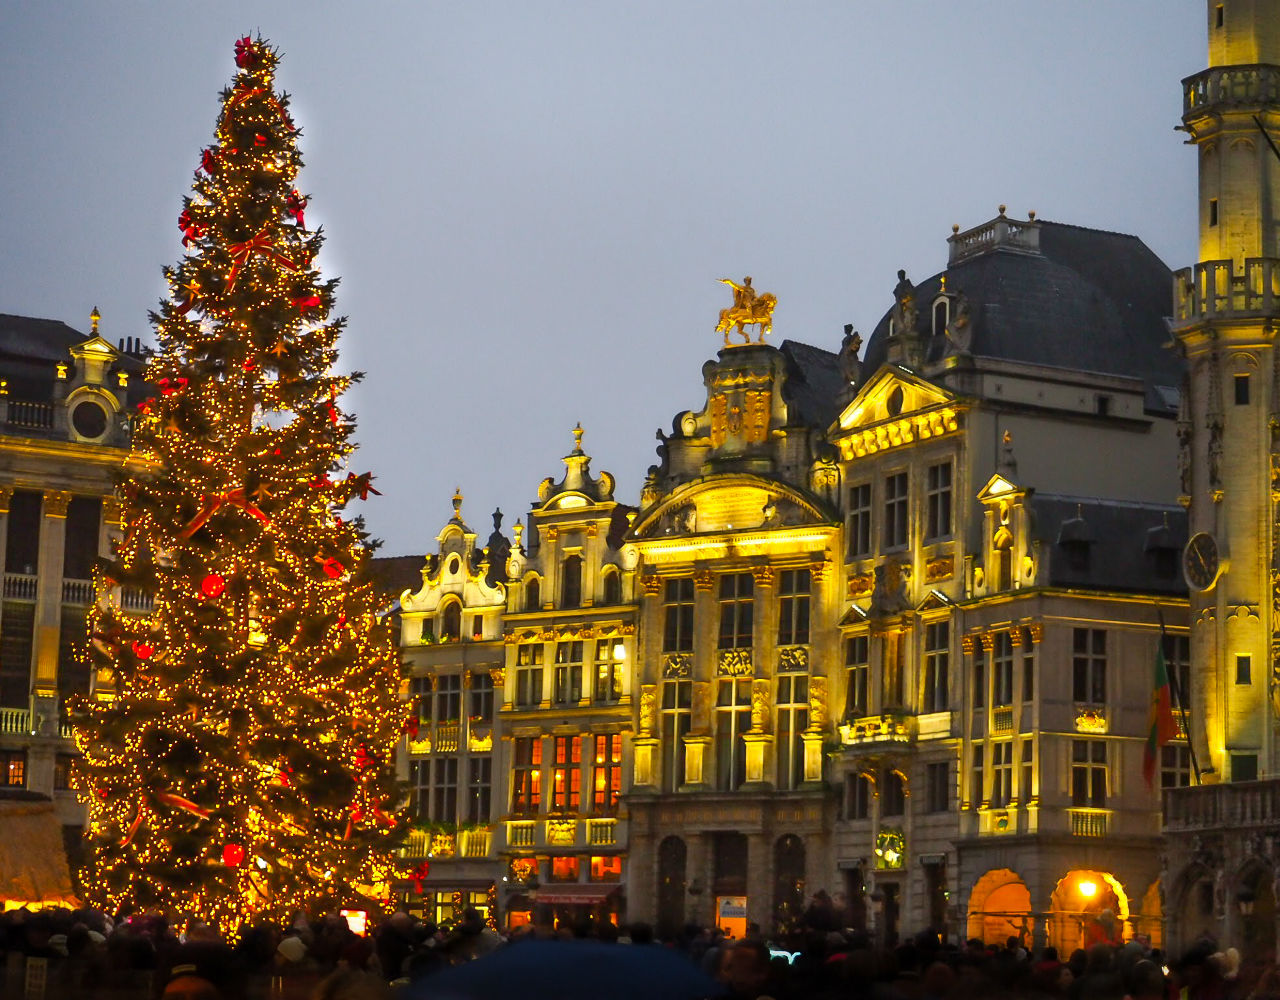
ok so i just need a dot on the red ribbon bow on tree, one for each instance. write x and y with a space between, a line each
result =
166 390
418 875
209 159
296 204
364 484
247 54
190 231
306 303
212 501
241 252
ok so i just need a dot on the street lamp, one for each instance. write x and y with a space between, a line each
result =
1088 889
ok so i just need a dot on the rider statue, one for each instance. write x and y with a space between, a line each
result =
748 309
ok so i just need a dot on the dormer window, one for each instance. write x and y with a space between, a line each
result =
532 594
941 317
1075 540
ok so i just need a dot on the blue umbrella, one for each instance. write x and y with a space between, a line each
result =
571 970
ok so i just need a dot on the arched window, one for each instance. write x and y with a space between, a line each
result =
612 587
893 794
451 621
941 316
571 583
532 594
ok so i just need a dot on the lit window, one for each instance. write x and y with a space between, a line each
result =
564 869
677 608
855 668
606 868
895 511
737 601
1089 773
793 607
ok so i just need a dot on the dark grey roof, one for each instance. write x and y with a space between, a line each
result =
1118 545
29 338
1089 300
393 575
813 384
29 348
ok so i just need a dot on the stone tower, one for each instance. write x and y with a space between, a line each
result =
1226 309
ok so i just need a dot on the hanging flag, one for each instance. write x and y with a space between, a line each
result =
1162 728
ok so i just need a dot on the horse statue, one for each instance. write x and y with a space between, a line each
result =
748 309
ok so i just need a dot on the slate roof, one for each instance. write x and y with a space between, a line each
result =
393 575
813 384
1124 542
29 348
1090 300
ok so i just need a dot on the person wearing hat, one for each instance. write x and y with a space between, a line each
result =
201 972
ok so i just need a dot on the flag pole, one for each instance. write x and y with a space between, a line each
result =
1176 688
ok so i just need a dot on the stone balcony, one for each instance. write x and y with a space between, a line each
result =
1235 806
474 843
565 832
885 728
1224 86
1213 289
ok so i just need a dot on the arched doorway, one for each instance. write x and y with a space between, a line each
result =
1256 902
788 882
1192 902
673 857
1087 907
1000 908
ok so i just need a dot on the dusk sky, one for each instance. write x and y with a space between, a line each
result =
529 204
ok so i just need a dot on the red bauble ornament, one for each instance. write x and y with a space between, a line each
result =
232 855
141 650
212 585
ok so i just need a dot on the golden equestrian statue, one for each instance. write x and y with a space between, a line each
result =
748 309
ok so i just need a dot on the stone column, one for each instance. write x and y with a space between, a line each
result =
700 874
760 880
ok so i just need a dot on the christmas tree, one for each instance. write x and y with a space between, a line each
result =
238 759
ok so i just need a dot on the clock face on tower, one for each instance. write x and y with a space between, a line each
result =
1201 561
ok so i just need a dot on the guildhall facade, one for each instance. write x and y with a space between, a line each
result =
878 625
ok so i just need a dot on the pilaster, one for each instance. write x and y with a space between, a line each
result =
48 614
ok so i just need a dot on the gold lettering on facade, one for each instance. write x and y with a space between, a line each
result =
757 416
719 419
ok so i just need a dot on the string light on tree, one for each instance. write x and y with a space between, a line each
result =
251 715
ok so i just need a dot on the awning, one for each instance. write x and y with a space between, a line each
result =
574 894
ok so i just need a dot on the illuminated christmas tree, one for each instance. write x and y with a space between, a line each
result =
239 760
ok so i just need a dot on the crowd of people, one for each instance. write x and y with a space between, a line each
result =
84 955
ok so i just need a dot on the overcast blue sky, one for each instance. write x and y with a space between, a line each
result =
529 203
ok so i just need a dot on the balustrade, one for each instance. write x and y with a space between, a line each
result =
20 586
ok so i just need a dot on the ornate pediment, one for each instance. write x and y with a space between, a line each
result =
728 504
1000 487
895 408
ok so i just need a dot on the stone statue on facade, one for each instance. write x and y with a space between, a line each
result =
748 309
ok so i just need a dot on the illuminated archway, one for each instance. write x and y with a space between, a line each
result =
1000 908
1078 907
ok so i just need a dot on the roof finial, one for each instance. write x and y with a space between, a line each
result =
577 436
1002 210
1008 464
93 320
457 502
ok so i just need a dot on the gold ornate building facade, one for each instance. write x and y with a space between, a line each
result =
880 624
